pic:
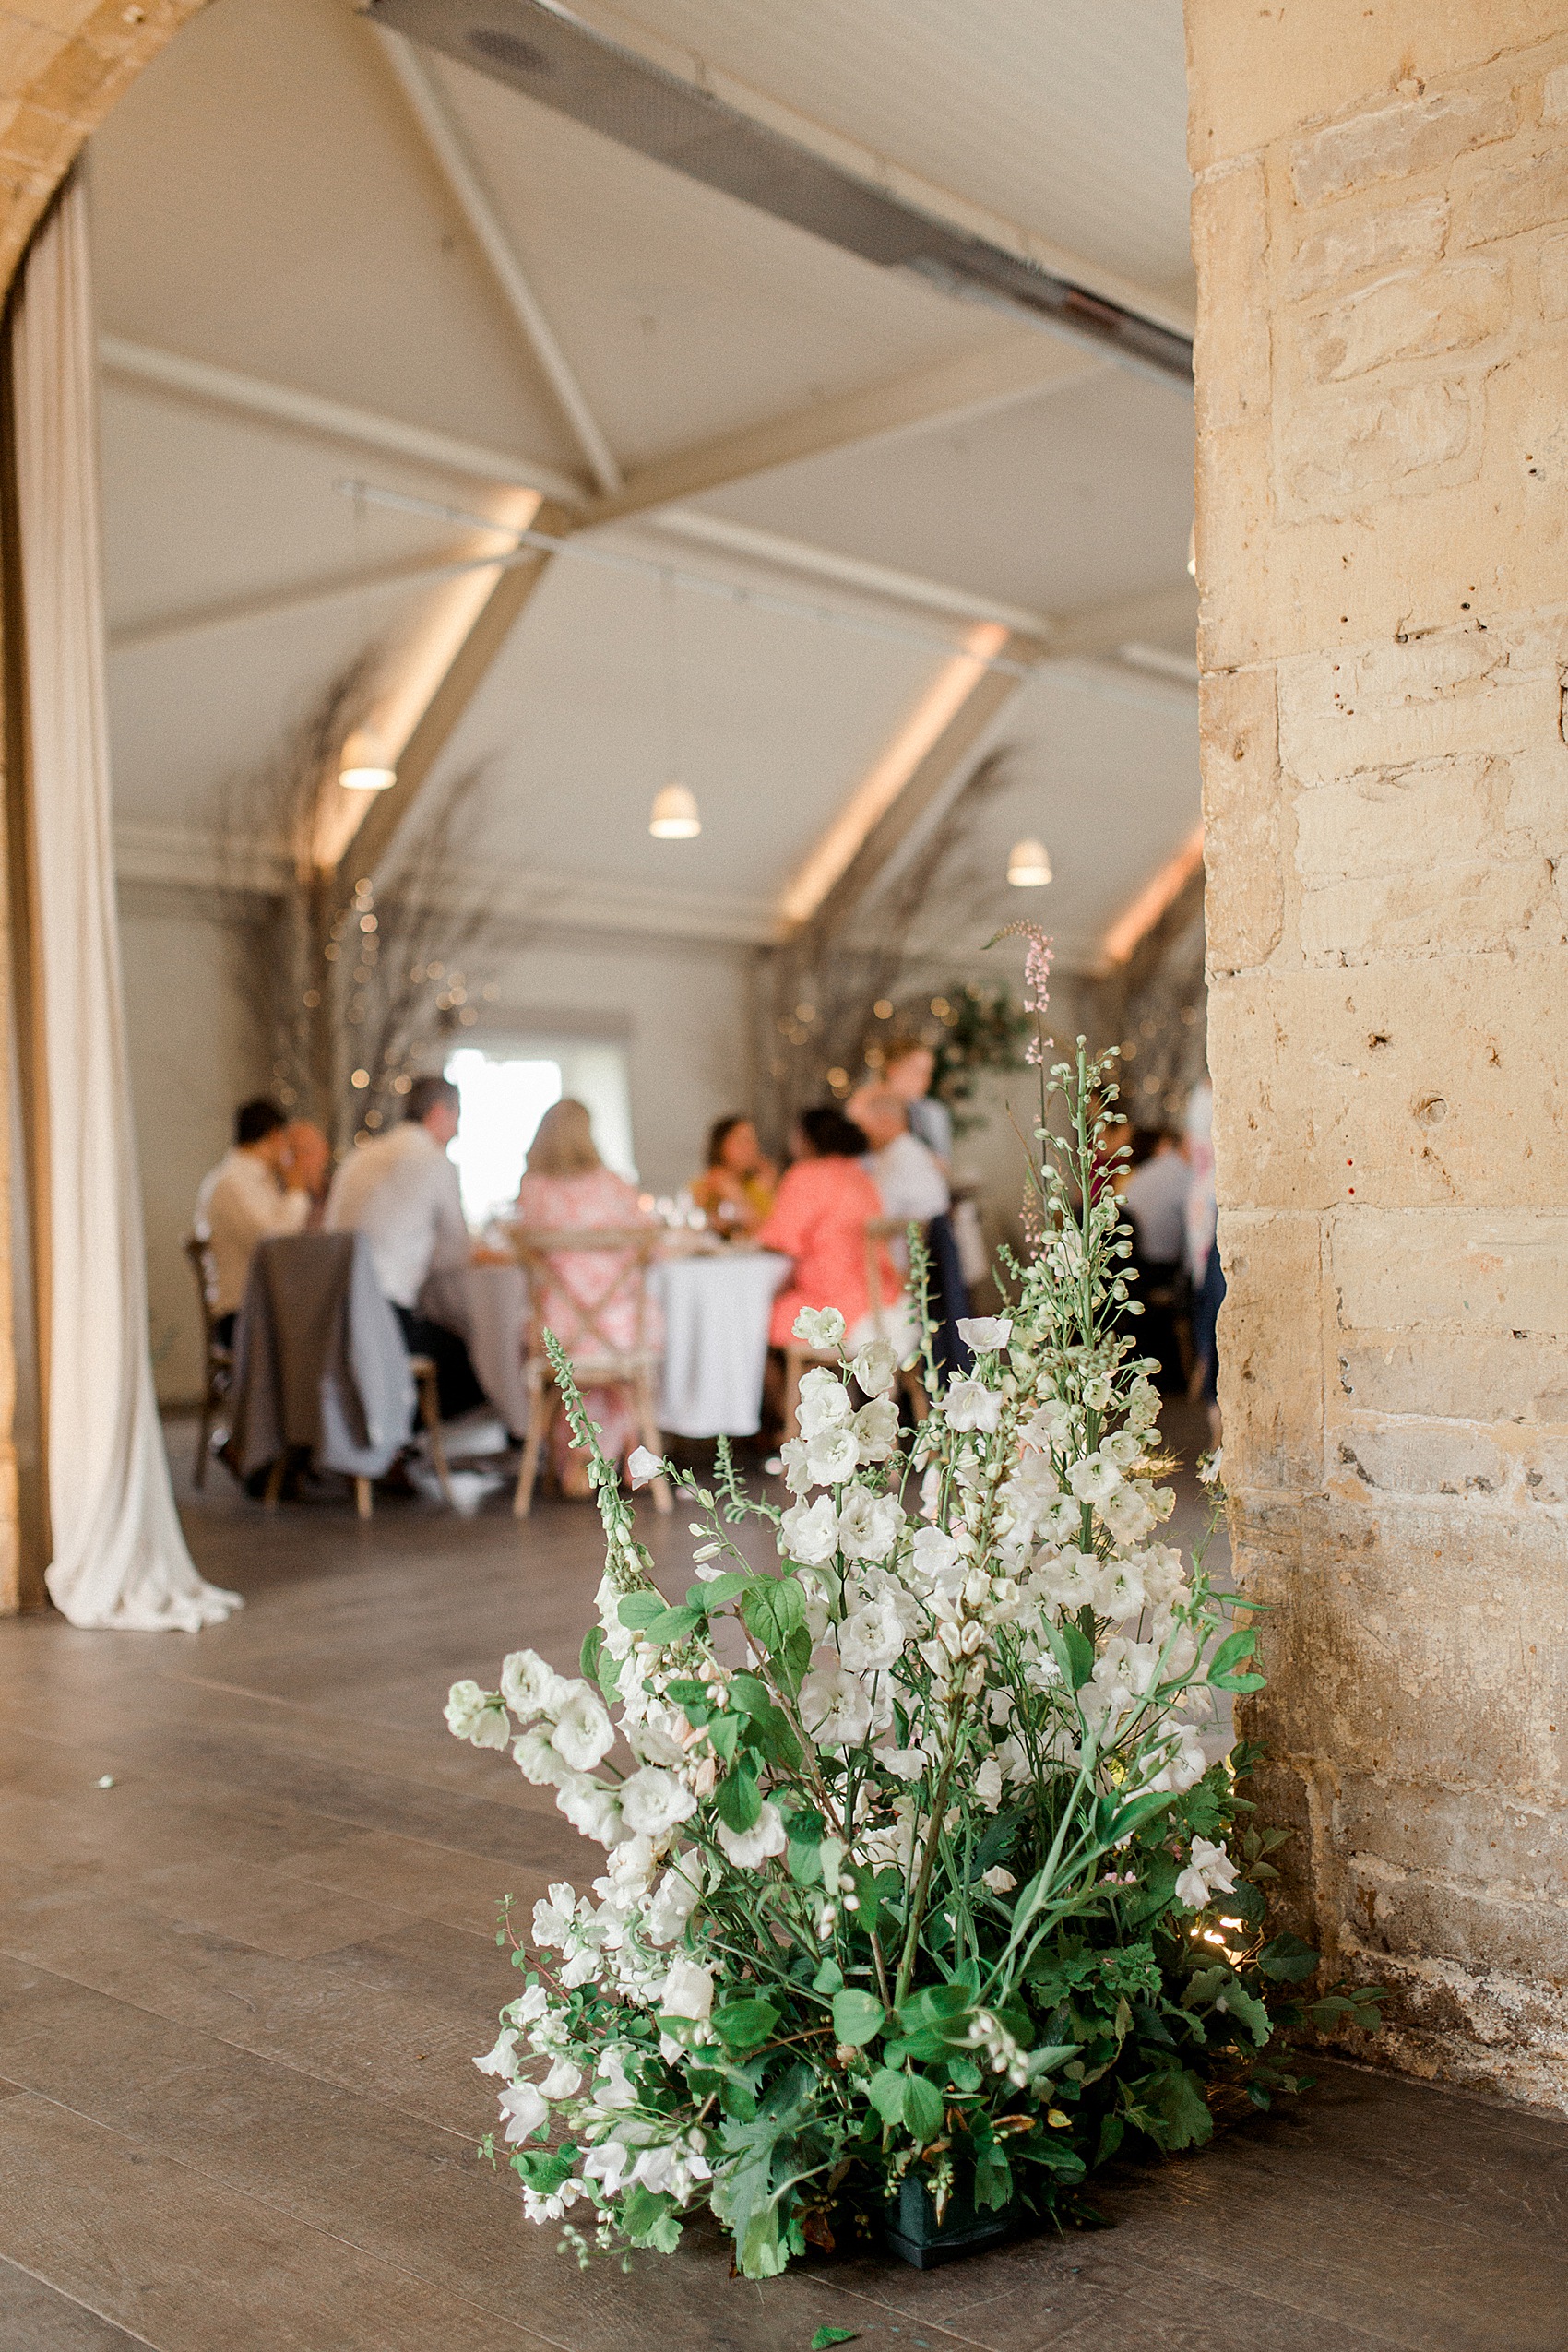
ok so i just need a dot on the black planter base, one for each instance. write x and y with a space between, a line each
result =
915 2234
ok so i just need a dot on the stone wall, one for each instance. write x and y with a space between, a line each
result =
1380 227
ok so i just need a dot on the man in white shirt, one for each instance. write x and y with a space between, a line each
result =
905 1173
1156 1200
266 1184
403 1193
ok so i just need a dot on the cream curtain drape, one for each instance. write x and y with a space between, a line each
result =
119 1555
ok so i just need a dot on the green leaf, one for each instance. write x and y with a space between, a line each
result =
719 1589
922 2108
1130 1819
639 1608
724 1730
1080 1654
1287 1960
749 1693
1237 1682
828 1979
588 1656
827 2336
774 1607
1247 2010
993 2177
743 2025
738 1802
671 1625
1232 1651
885 2092
1177 2113
650 2220
858 2018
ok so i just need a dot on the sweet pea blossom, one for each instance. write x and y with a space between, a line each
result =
869 1524
1000 1881
531 1686
583 1734
503 2059
819 1327
653 1801
687 1989
592 1810
874 1366
534 1754
970 1405
523 2106
832 1457
1209 1871
809 1532
834 1707
985 1333
749 1849
563 2082
476 1716
674 1900
642 1466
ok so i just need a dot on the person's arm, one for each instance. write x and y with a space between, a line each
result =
454 1244
786 1228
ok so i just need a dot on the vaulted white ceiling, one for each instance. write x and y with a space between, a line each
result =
265 205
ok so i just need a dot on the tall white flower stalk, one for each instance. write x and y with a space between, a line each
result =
922 1856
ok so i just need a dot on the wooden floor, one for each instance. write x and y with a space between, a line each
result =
240 1991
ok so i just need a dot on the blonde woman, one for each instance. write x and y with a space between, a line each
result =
591 1297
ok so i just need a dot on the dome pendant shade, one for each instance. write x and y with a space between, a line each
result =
674 814
362 766
1029 865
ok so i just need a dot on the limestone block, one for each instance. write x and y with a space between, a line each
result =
1397 442
1515 1852
1271 1356
1466 906
1416 313
1432 1918
1230 251
1392 1082
1552 263
1412 1458
1463 1270
1554 96
1244 893
1508 197
1466 690
1392 142
1233 537
1380 237
1395 819
1519 1377
26 52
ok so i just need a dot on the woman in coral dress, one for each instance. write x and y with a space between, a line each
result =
591 1300
819 1219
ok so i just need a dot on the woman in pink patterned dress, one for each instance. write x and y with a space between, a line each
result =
590 1298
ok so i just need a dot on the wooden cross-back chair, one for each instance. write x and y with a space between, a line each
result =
799 1358
217 1362
596 1361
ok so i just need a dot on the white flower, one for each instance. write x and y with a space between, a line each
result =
653 1801
591 1809
687 1989
1210 1871
819 1327
970 1405
563 2082
748 1848
583 1733
1096 1392
1071 1581
983 1333
531 1686
1129 1514
502 2059
552 1918
642 1466
1094 1479
1124 1448
533 1752
987 1785
825 1401
876 1428
523 2109
834 1707
1050 1424
1211 1469
832 1457
674 1900
1143 1404
1062 1521
606 2164
869 1524
1000 1881
792 1454
872 1637
476 1716
934 1556
874 1366
809 1532
903 1763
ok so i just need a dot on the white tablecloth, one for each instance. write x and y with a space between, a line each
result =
489 1304
715 1317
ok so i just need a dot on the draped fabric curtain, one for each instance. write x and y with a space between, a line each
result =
119 1555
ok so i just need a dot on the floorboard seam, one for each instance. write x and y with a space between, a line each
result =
69 2295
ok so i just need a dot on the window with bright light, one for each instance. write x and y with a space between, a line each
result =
507 1087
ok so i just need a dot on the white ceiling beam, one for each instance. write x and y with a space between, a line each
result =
324 420
1167 616
271 604
473 201
954 392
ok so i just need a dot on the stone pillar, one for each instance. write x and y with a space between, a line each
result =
1381 228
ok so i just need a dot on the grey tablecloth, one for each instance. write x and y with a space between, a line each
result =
489 1305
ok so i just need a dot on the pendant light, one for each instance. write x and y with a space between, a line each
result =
674 814
363 765
1029 866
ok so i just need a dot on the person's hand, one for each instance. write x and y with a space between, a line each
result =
482 1254
306 1156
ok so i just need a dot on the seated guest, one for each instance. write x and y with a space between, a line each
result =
589 1298
905 1173
735 1190
908 1068
267 1183
825 1204
1154 1199
403 1193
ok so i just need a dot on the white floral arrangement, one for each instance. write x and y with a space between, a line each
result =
924 1860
